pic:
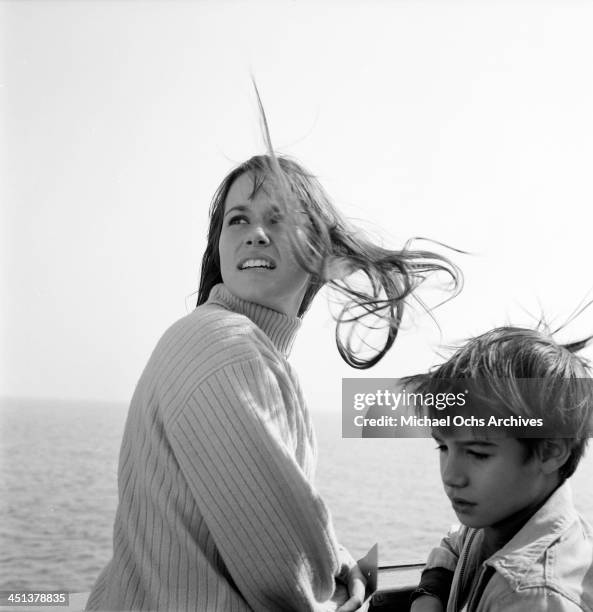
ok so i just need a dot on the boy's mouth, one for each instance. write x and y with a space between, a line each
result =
462 505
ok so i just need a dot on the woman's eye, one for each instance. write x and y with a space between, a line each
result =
441 448
238 219
277 218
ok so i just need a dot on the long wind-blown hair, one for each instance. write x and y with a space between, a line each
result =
331 251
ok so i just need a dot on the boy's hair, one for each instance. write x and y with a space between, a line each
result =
524 372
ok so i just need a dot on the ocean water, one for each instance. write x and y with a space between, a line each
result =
58 492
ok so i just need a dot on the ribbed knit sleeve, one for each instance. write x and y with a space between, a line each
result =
270 527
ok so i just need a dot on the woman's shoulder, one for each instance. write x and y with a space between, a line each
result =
211 330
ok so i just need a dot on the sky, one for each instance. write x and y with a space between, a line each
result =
468 123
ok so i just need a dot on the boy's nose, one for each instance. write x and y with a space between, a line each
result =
257 237
453 474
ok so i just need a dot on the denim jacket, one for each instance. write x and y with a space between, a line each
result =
547 565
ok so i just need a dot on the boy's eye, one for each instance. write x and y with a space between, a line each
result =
277 218
476 455
441 448
238 219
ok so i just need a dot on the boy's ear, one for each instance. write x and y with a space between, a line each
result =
553 454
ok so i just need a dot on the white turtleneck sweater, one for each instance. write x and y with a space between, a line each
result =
217 508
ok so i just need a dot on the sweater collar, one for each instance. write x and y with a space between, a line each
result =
280 328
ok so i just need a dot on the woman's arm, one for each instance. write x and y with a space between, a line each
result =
270 526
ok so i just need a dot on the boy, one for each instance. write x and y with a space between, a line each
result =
522 546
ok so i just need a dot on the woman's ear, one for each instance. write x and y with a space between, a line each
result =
553 454
337 268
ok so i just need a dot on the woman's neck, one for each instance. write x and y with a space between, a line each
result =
281 329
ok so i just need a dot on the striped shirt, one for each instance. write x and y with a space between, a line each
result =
217 510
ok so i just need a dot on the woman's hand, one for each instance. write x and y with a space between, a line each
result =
356 583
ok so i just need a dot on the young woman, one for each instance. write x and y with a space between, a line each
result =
217 507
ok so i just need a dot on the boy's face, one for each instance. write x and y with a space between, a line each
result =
488 480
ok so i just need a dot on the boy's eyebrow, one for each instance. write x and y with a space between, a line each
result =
472 442
476 443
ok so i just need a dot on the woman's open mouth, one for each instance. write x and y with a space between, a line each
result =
257 263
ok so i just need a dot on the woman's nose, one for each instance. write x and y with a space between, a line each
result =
257 237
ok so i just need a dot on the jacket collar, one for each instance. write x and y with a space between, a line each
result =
528 545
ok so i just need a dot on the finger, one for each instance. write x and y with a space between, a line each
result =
352 604
357 588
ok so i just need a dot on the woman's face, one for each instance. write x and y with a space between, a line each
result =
256 260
